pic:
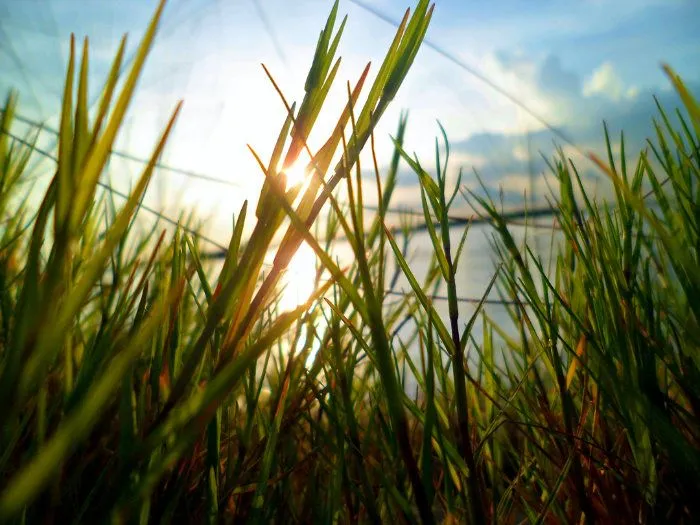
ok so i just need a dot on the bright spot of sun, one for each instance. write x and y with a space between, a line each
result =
296 173
299 278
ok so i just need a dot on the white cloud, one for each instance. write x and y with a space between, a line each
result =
606 82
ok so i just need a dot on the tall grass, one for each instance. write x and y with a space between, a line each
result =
138 388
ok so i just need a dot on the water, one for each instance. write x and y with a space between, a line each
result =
474 273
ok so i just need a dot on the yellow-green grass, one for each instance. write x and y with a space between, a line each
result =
138 388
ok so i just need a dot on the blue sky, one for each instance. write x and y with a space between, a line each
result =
573 62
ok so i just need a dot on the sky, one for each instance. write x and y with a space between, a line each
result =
573 63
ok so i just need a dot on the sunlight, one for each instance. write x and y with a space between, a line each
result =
299 278
296 173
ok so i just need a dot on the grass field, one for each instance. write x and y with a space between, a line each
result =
139 385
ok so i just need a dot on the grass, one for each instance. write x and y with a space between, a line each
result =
139 388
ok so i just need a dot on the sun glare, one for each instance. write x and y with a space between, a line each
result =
296 173
299 278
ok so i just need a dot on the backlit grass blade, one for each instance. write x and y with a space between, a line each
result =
47 342
66 180
95 161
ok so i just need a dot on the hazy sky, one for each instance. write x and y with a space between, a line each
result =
573 62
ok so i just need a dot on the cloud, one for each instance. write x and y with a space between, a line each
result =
546 85
513 160
606 82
